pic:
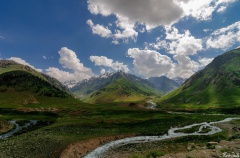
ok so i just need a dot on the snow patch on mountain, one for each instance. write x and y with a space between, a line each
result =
69 84
179 80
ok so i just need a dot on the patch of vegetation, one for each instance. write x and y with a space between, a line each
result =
149 154
236 136
136 156
211 147
195 129
189 130
223 150
154 154
5 126
205 130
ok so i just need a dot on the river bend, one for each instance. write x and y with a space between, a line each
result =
172 133
17 128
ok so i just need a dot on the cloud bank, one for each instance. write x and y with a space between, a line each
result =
150 63
150 14
224 38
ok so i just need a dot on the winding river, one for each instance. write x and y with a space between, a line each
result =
172 133
17 128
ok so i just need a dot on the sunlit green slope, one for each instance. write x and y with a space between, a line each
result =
216 86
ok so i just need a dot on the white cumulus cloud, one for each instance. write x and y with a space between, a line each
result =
99 29
60 74
224 38
124 32
104 61
185 67
221 9
69 60
203 9
152 12
136 16
177 43
150 63
126 29
205 61
130 14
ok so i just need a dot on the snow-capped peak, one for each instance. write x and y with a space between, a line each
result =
70 83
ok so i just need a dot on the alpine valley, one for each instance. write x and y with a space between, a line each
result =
40 117
122 87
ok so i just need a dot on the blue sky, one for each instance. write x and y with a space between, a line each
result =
78 39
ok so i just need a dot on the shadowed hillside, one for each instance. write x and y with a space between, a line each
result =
20 84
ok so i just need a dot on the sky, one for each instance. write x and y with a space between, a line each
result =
78 39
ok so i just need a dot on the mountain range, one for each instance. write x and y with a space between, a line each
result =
166 84
27 86
115 87
120 86
216 86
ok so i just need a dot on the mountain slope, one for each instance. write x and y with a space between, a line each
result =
216 86
20 84
164 83
179 80
115 87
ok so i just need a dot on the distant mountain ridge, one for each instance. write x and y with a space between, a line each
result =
165 84
70 83
115 87
216 86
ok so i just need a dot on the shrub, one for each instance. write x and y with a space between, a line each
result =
154 154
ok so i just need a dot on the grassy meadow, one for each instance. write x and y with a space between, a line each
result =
72 122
